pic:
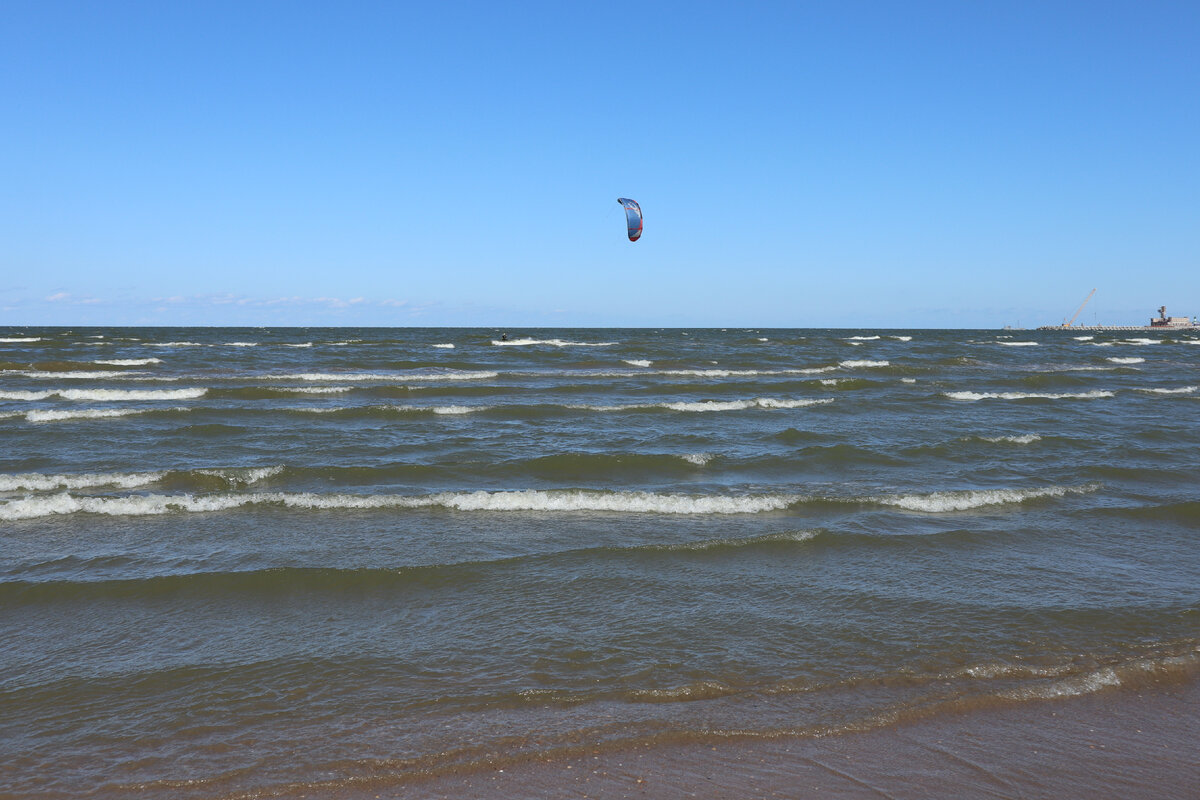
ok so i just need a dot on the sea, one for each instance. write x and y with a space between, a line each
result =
275 562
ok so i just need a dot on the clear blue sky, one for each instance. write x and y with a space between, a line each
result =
956 164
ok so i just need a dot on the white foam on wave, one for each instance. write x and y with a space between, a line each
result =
475 375
1018 344
1181 390
404 409
241 344
1141 341
20 339
128 362
699 459
552 342
37 482
736 373
1130 360
862 338
677 373
1028 438
903 338
312 389
850 364
23 395
529 500
75 374
445 346
302 344
908 380
52 415
638 362
1092 395
940 502
1084 338
174 344
242 476
713 405
108 395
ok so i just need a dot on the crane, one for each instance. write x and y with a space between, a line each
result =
1081 305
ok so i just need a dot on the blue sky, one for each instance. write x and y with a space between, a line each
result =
853 164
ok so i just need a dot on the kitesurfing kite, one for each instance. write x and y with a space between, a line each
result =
633 217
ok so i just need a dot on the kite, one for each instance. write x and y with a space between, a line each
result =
633 217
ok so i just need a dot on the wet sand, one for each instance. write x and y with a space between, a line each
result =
1119 744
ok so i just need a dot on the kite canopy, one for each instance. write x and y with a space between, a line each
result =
633 217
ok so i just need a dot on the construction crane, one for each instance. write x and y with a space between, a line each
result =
1081 305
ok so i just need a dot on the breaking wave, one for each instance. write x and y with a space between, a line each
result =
51 415
524 500
1180 390
107 395
551 342
38 482
1092 395
456 375
713 405
129 362
937 502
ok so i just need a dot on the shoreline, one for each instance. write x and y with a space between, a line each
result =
1120 744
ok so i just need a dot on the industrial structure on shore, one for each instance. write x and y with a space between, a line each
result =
1160 323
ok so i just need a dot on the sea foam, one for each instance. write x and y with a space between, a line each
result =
84 413
465 375
712 405
524 500
1180 390
37 482
1098 393
938 502
107 395
129 362
552 342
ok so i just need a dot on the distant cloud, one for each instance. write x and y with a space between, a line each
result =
67 297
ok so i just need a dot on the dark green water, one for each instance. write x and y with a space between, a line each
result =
318 556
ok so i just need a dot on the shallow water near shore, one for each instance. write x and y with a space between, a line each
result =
257 561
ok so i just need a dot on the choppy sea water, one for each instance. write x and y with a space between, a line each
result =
266 560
